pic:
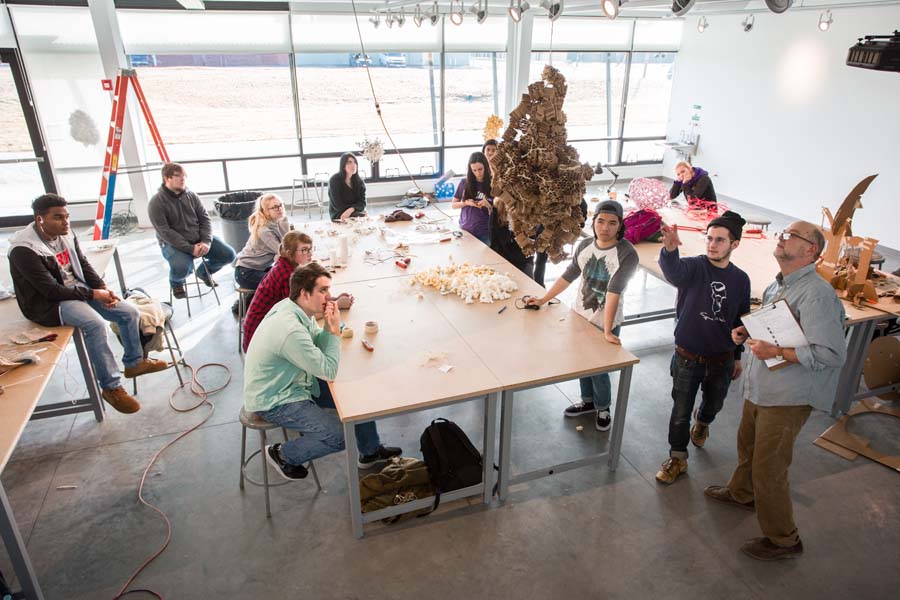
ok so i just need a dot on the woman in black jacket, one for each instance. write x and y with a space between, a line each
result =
694 182
346 191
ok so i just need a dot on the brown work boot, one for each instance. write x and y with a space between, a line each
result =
671 469
699 433
762 548
722 494
121 400
148 365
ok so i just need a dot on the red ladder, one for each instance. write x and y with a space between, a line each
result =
114 144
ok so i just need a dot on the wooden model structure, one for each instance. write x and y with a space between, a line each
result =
850 281
537 175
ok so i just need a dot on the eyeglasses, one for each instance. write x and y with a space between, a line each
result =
276 207
306 250
786 235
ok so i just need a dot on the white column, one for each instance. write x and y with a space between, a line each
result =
112 56
518 60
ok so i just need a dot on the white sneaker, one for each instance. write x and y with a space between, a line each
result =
604 420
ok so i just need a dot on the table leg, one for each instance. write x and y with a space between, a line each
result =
490 425
119 273
89 379
506 413
18 554
848 383
615 441
353 479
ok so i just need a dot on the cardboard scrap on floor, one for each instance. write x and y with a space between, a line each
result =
848 445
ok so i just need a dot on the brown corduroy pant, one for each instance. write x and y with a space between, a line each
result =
765 444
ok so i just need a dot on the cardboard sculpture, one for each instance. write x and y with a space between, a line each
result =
850 281
492 127
537 175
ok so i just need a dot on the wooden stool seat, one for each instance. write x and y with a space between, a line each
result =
762 222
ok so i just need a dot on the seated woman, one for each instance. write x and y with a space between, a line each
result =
473 195
503 242
296 250
267 228
694 182
346 191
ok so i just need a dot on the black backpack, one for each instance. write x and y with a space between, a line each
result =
453 462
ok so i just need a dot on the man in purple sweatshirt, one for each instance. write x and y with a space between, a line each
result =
712 295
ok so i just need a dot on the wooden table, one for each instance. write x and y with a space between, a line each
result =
756 257
492 354
23 389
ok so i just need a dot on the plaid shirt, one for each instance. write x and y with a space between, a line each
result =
274 287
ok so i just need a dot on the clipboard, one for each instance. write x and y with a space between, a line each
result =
775 323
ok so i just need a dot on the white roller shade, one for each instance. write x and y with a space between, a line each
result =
54 29
203 32
338 33
472 37
7 40
657 34
584 33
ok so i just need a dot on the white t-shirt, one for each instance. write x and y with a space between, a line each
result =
61 253
602 271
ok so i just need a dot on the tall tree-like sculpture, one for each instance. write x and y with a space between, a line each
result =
537 175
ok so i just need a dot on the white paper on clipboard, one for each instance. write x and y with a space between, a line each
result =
776 324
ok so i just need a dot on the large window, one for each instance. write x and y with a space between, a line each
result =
474 83
20 179
649 93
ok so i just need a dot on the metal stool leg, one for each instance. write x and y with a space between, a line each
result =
166 327
243 452
265 467
312 469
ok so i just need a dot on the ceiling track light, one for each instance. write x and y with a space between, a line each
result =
389 20
517 8
682 7
435 15
610 8
375 21
417 17
825 21
702 24
480 11
748 22
456 14
401 18
779 6
554 8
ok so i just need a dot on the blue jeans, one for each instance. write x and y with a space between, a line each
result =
323 432
597 388
181 264
249 278
91 317
687 377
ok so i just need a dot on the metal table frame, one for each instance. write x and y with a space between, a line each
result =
613 449
483 489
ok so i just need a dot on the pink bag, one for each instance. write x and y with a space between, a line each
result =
642 224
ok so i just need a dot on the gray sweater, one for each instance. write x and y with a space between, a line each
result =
179 219
259 254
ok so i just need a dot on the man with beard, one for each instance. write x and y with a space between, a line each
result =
605 264
184 231
778 402
712 295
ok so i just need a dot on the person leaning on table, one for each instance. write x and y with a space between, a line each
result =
285 373
346 190
56 285
778 402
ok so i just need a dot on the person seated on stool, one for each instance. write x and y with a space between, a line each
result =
267 227
56 285
184 231
295 250
346 190
694 182
286 371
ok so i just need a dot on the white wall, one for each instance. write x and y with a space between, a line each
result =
785 124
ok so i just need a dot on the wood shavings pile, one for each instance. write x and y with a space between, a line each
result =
537 175
481 283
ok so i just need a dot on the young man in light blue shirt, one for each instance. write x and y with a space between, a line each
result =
287 365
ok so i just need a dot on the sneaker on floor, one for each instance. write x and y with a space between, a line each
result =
762 548
699 433
582 408
604 420
148 365
671 469
236 308
179 292
121 400
206 278
721 493
380 456
286 469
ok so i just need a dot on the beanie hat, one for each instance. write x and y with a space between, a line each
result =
609 206
731 221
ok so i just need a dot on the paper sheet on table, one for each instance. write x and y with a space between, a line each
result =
776 324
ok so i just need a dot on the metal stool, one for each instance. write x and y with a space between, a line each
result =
762 222
168 330
250 420
244 295
200 292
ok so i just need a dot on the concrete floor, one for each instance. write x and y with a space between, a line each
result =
586 533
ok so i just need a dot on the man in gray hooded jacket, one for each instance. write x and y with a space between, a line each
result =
56 285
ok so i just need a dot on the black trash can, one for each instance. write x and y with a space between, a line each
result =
235 208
